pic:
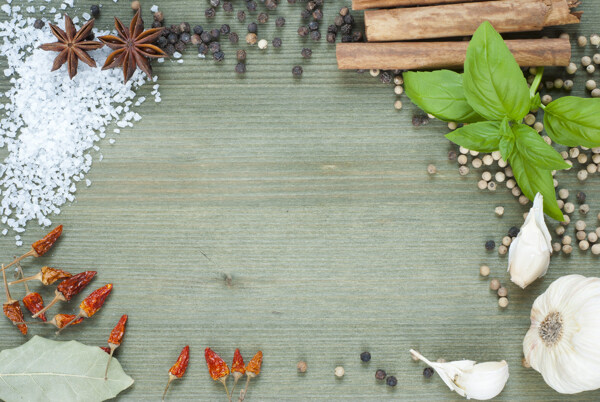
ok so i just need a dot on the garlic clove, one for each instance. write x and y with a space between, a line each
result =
480 381
529 253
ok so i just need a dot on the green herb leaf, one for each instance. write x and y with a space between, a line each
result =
481 137
507 140
46 370
573 121
535 102
494 84
535 150
441 94
533 180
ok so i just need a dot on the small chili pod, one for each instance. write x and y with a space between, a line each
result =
217 368
12 308
69 288
40 247
91 304
62 320
179 368
114 340
252 370
32 301
238 369
47 276
105 348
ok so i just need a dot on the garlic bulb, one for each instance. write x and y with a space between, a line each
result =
529 253
563 342
477 381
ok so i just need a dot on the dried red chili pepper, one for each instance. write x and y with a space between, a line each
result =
62 320
40 247
69 288
105 348
252 370
32 301
114 340
12 308
91 304
179 368
47 276
237 368
217 368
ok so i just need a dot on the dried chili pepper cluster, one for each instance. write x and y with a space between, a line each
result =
219 371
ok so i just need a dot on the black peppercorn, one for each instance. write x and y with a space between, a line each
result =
319 3
303 31
214 47
214 33
311 5
490 245
180 47
176 29
234 38
95 10
252 27
251 5
338 20
346 29
365 356
420 120
428 372
580 196
263 18
315 35
240 68
225 29
317 15
241 55
185 27
391 381
452 155
332 29
172 38
513 231
219 56
198 29
241 16
297 71
357 36
228 7
344 11
305 14
202 48
306 53
313 25
346 38
279 22
270 4
276 42
385 77
210 12
170 49
91 36
215 3
206 37
380 374
156 24
331 37
162 42
185 38
39 24
349 19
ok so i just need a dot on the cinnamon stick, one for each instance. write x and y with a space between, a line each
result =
453 20
366 4
435 55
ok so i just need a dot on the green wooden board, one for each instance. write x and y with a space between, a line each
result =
313 196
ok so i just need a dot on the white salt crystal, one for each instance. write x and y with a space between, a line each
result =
154 8
86 16
88 182
180 61
19 243
161 60
177 55
111 141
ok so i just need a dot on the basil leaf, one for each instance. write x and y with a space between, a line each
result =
507 141
441 94
533 148
573 121
494 84
533 180
535 102
481 137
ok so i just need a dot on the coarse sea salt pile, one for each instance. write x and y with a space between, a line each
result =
50 123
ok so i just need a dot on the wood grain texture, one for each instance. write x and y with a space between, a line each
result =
435 55
366 4
313 195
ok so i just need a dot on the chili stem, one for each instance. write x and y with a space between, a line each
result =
235 380
112 347
22 277
30 253
78 316
8 299
243 393
52 303
536 82
224 382
171 378
37 276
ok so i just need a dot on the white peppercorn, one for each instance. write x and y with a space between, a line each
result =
529 119
398 106
262 44
580 225
494 284
502 163
546 99
558 83
538 126
592 168
484 270
560 203
586 61
523 200
582 41
590 85
571 68
568 85
590 69
482 184
596 249
473 153
503 302
488 160
567 249
463 170
452 126
560 230
592 237
574 152
463 150
462 159
502 292
547 140
565 35
582 158
508 171
431 169
506 240
511 183
339 371
476 163
596 93
569 207
499 211
582 175
398 80
584 209
492 186
566 221
596 58
584 245
487 176
595 40
556 247
502 250
566 240
374 72
563 193
516 191
580 235
500 177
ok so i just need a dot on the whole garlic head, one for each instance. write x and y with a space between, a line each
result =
563 342
472 380
529 253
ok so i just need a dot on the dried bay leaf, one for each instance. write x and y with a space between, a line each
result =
47 370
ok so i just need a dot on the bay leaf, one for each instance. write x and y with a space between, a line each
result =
47 370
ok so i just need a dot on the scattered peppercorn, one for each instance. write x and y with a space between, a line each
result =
490 245
241 16
513 231
494 284
225 29
185 27
214 47
210 12
297 71
172 38
215 3
38 24
159 16
391 381
234 38
306 53
215 33
170 49
241 55
317 15
180 47
95 10
240 68
302 31
202 48
365 356
338 20
386 77
263 18
301 366
339 371
311 5
252 27
331 37
185 38
251 38
228 7
420 120
305 14
348 19
428 372
206 37
219 56
135 5
315 35
313 25
251 5
276 42
580 197
380 375
346 38
271 4
280 22
357 36
344 11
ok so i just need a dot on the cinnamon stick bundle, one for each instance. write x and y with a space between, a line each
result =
452 20
366 4
435 55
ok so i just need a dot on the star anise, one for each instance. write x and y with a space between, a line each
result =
72 45
133 47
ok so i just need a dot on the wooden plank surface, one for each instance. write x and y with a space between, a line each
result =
312 195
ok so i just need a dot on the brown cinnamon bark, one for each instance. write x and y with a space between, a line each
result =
463 19
435 55
366 4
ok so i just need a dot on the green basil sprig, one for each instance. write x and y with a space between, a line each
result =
492 96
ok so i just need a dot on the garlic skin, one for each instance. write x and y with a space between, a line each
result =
480 381
563 342
529 253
